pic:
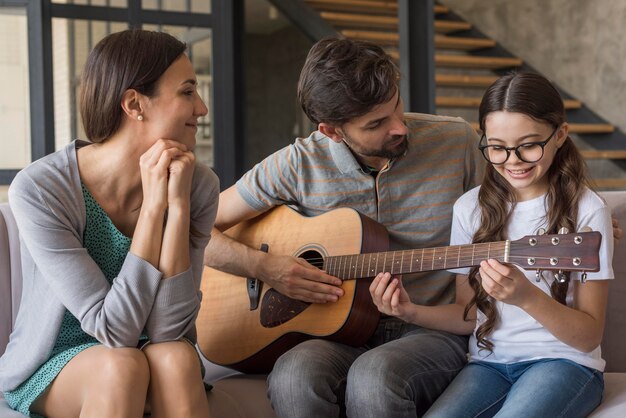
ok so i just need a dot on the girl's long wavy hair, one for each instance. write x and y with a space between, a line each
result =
534 96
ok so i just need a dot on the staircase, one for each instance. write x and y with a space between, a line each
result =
466 63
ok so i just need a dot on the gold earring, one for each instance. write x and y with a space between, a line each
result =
140 118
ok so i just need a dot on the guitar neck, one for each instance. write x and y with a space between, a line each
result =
359 266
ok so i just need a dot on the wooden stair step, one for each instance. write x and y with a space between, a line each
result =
617 183
381 38
467 44
449 26
459 80
604 154
386 22
441 41
368 6
361 20
591 128
448 101
577 128
471 61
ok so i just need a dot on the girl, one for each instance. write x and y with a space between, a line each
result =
535 350
113 233
536 347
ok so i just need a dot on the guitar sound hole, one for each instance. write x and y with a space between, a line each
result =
314 258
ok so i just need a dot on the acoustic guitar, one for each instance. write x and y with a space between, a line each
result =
246 325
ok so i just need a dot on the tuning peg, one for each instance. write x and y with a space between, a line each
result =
560 277
583 277
538 276
541 231
585 229
563 230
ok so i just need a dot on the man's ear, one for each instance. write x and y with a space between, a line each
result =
132 104
331 131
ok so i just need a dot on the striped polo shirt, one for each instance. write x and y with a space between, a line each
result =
412 196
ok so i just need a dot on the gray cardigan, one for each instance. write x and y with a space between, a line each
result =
58 273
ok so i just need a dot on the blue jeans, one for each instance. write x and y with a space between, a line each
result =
539 388
399 373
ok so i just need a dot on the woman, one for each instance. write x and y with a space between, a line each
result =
113 232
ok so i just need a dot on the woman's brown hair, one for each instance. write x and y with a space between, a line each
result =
131 59
532 95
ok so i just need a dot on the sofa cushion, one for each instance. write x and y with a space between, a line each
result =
614 398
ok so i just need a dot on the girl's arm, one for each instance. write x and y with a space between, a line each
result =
580 326
391 298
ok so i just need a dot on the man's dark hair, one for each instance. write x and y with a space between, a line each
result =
343 79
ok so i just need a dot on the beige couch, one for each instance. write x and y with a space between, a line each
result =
236 395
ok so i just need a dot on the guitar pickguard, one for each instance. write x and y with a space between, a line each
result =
276 308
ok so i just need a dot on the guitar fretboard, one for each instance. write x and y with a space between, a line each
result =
358 266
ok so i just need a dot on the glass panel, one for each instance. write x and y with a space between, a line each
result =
14 99
71 42
110 3
275 51
199 49
195 6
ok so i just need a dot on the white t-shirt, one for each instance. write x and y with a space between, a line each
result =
518 336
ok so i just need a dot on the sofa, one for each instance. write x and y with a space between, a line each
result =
237 395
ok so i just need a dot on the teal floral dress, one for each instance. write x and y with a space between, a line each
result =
108 247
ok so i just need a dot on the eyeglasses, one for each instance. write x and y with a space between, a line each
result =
530 152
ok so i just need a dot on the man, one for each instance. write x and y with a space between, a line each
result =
404 171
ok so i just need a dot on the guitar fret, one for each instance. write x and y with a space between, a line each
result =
402 262
458 257
433 257
385 263
376 268
362 264
422 261
342 267
445 258
473 251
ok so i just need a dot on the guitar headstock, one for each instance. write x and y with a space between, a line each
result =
567 252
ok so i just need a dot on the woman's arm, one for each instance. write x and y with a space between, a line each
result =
175 246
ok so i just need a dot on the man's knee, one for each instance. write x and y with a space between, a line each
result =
303 363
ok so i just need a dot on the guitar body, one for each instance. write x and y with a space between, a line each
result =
232 334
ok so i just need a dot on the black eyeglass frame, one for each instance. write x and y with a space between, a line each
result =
508 150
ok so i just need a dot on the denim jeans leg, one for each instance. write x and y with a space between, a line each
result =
479 390
554 388
403 377
310 379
